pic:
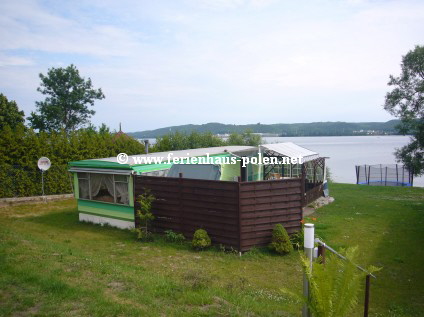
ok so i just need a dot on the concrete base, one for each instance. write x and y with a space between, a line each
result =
121 224
5 202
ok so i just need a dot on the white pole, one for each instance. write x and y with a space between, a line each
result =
308 245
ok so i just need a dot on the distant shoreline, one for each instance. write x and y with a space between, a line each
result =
318 129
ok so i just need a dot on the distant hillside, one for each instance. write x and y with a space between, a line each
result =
281 129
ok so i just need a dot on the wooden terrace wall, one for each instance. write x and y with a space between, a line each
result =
236 214
263 205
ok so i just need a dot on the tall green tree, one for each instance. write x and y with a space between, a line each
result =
406 101
10 114
68 97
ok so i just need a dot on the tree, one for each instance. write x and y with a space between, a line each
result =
246 138
406 101
66 105
10 114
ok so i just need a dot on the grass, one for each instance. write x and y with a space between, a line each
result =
50 264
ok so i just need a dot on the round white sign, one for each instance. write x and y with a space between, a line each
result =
44 163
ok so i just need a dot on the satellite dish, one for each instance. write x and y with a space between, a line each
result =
44 163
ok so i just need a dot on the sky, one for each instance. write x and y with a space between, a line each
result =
167 63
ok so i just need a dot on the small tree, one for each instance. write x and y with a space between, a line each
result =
66 105
280 242
145 215
201 240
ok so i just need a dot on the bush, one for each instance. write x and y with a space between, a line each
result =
280 242
297 239
145 216
172 236
201 240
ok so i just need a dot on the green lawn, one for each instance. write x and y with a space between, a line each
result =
50 264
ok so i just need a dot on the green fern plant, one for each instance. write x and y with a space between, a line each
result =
333 286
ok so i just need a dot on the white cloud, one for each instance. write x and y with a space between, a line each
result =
14 61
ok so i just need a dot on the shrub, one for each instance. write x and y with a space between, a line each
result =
280 242
145 215
172 236
297 238
201 240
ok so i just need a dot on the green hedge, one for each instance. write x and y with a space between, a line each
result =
22 182
20 149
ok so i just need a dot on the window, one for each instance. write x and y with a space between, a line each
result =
110 188
83 186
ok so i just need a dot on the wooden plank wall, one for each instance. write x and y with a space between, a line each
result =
265 204
185 205
314 193
240 215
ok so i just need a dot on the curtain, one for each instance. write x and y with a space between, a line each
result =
122 193
96 184
83 189
103 181
108 183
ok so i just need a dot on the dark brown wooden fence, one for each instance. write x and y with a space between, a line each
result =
263 205
235 214
314 192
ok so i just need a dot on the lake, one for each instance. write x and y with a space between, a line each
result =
345 152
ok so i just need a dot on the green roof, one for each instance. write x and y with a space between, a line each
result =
99 164
141 168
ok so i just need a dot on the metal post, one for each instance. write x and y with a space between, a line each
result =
381 174
357 174
146 146
385 178
397 176
321 253
367 295
403 175
369 170
412 178
42 185
308 245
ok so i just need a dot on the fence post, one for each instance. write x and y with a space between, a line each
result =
308 245
302 188
357 174
367 295
135 201
321 253
369 170
239 213
180 208
385 178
